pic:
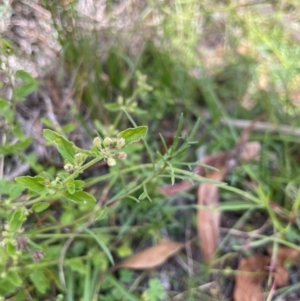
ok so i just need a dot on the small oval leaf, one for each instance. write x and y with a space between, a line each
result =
17 220
133 134
81 197
64 146
39 207
113 107
35 184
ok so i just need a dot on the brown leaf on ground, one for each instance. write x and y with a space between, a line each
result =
250 151
283 255
251 272
151 257
208 220
208 194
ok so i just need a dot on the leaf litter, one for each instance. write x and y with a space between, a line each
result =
251 271
151 257
254 270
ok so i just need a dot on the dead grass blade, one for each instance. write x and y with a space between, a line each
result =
151 257
252 272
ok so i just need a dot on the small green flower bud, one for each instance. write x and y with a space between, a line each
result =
80 158
120 143
69 168
120 100
111 161
122 156
97 142
107 142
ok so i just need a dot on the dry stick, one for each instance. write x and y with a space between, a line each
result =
262 126
258 126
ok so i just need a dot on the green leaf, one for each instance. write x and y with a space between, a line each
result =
71 187
124 251
79 184
77 265
16 147
3 103
101 214
35 184
14 278
64 146
7 47
10 188
47 122
113 107
155 292
67 217
24 76
17 220
143 195
15 191
10 249
39 207
18 132
69 127
80 197
8 114
40 281
30 84
133 134
101 244
6 287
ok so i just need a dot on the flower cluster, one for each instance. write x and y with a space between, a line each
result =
110 149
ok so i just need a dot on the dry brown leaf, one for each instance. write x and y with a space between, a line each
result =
248 286
178 187
151 257
208 220
250 151
283 254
